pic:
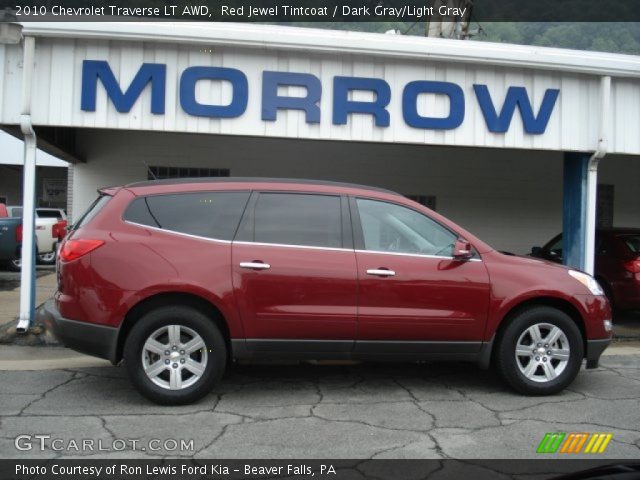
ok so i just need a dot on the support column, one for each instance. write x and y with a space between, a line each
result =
28 252
574 210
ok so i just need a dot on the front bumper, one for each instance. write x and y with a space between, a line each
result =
96 340
594 350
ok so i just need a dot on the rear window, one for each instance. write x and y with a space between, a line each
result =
204 214
97 205
632 242
15 212
48 213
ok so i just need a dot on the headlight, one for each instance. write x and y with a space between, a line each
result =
588 281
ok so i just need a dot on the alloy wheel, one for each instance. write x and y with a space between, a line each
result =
174 357
542 352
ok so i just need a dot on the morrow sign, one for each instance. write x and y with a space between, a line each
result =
153 75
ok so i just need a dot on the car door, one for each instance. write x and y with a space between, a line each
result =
411 289
294 273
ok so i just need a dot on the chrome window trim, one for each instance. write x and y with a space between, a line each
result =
286 245
229 242
182 234
418 255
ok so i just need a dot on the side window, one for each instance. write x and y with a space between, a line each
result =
91 212
387 227
298 219
207 214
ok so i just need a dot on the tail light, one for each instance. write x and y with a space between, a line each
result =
58 230
19 233
73 249
632 266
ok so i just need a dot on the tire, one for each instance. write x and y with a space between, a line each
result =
14 265
548 374
46 258
186 377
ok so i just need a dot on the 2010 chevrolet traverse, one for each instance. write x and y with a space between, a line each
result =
180 277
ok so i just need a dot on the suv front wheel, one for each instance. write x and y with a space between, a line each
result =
540 351
174 355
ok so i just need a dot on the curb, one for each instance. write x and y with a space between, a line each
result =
15 358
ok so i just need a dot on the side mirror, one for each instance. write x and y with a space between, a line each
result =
462 250
536 251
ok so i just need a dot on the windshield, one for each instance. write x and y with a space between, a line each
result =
48 213
554 245
632 242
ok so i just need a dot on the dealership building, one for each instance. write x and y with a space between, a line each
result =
511 142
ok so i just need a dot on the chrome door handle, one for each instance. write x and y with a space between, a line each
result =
381 272
255 265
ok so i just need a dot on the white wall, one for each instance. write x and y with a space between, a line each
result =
573 125
12 153
511 199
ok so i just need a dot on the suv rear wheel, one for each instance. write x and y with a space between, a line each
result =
540 352
174 355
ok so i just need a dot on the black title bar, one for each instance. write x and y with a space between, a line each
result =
82 469
325 10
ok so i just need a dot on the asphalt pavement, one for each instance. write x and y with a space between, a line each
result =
319 411
55 403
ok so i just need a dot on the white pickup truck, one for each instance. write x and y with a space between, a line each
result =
47 236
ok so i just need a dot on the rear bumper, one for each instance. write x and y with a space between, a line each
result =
594 350
96 340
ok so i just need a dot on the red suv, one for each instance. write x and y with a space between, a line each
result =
180 277
617 263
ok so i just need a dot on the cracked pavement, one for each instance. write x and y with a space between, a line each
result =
324 411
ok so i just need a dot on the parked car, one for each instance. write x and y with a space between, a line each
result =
49 230
10 236
59 231
50 212
179 277
617 263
